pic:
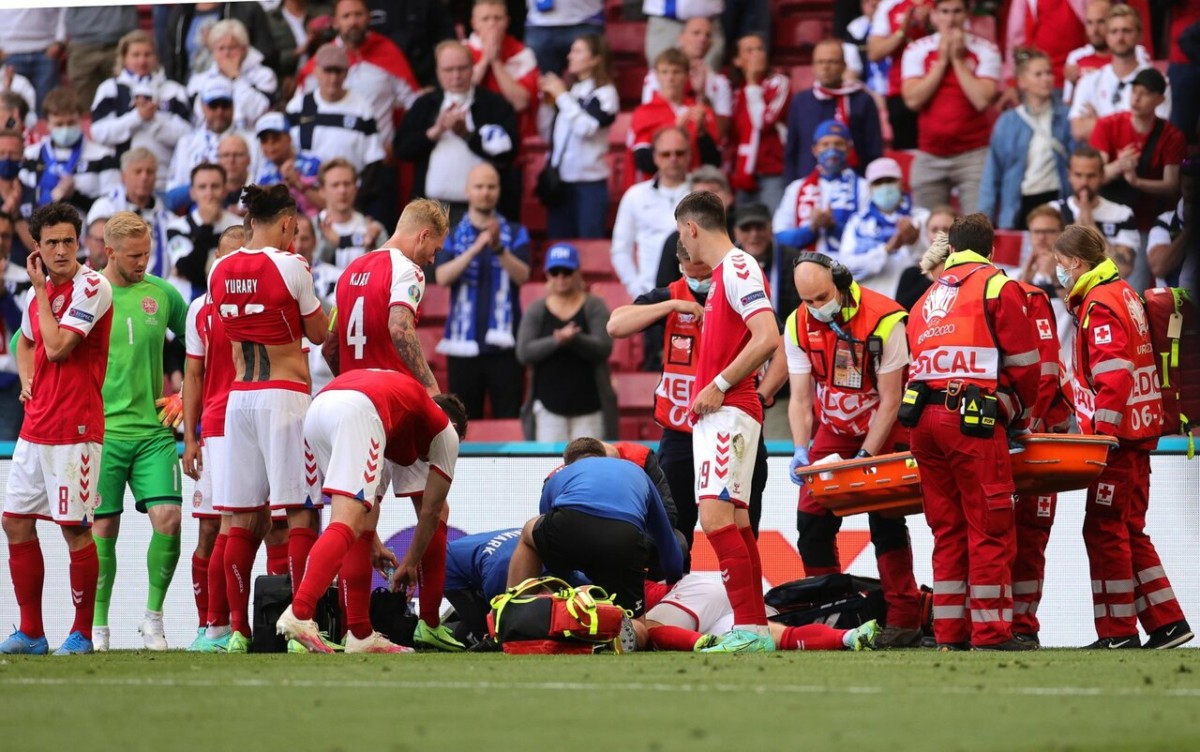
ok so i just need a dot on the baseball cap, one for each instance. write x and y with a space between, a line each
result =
217 90
831 128
884 168
272 122
753 214
562 256
332 56
1151 80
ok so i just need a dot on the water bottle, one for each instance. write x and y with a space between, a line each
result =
389 570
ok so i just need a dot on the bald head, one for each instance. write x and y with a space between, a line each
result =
814 283
483 189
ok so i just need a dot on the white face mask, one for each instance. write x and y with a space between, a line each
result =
826 312
699 286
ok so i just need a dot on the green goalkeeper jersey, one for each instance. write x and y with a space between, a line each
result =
142 314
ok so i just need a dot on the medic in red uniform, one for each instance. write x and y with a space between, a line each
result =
848 342
1117 393
974 372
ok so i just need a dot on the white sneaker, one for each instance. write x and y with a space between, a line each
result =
303 631
152 631
100 639
375 643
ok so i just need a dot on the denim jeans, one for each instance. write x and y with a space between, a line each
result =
550 44
583 212
41 71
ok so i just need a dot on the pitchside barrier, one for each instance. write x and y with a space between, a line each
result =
498 486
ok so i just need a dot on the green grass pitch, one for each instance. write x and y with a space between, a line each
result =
850 702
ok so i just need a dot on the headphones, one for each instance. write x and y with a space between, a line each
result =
842 278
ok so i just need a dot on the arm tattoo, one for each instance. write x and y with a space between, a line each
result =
408 346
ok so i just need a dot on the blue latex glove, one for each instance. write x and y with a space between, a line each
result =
799 460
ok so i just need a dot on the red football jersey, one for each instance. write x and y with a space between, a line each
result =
67 406
206 341
738 292
366 292
262 294
411 419
949 124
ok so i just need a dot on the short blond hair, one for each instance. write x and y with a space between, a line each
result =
124 225
1121 10
423 212
229 27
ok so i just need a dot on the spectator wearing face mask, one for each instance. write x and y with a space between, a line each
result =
66 166
815 208
880 242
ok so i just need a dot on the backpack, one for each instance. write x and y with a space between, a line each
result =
272 595
841 601
393 617
1174 317
546 615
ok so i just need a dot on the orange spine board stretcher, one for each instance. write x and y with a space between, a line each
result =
891 483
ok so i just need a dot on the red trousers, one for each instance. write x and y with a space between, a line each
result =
967 487
1035 516
1128 580
818 529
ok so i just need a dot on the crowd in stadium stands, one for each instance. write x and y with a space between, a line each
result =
842 127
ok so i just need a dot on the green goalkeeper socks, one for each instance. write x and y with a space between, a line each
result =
106 552
161 558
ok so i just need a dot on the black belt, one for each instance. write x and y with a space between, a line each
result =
946 399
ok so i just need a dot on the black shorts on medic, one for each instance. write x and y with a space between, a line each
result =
612 553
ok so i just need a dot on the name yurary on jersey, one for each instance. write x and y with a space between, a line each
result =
241 286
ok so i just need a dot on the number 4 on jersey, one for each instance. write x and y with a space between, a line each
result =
356 336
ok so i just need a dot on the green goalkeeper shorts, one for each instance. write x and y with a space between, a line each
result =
150 467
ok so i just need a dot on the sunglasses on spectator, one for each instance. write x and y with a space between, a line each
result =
559 271
676 153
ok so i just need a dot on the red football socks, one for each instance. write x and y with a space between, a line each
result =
277 558
812 637
28 574
85 568
300 543
433 577
752 549
200 586
673 638
355 585
240 549
737 571
324 561
217 612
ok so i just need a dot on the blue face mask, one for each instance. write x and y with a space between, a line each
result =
9 168
66 135
699 286
831 162
1064 277
886 197
826 312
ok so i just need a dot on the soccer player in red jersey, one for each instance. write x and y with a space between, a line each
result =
207 379
378 295
378 298
359 420
62 355
735 342
265 301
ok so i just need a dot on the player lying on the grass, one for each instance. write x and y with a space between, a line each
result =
597 514
359 419
694 613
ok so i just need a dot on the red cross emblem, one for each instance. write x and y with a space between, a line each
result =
1104 494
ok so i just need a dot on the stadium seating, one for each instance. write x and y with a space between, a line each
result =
495 430
435 305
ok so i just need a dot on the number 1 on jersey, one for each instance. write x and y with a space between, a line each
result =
356 336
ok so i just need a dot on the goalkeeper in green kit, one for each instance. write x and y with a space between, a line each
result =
139 441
